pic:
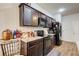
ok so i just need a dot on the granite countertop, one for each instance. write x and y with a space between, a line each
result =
31 39
34 38
25 39
28 39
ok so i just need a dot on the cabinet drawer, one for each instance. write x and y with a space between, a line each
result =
30 44
40 40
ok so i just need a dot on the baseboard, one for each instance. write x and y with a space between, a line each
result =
77 43
68 41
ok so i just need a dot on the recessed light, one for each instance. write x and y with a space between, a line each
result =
61 10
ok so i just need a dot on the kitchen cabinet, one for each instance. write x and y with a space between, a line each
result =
23 48
42 20
49 22
32 17
25 15
42 15
39 47
53 42
35 48
32 51
28 16
35 15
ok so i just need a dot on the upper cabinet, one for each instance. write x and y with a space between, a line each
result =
49 22
42 16
27 16
42 20
32 17
35 16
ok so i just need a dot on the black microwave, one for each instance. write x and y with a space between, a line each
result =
40 33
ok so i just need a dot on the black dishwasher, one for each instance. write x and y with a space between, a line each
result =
47 45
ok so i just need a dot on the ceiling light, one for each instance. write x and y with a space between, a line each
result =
61 10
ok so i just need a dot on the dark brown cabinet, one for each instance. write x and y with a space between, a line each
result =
42 16
32 51
35 16
49 22
35 48
28 16
42 20
23 50
32 17
53 42
40 47
25 15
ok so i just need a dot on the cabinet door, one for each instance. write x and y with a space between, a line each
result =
42 16
27 16
40 49
42 20
35 48
32 51
34 17
53 41
49 22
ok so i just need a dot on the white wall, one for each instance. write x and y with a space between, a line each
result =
70 31
9 19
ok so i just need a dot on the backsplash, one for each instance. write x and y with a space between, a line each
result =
28 29
10 20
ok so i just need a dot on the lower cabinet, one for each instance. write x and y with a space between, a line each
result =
53 42
35 48
23 50
32 51
40 47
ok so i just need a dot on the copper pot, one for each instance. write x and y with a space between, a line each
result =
7 35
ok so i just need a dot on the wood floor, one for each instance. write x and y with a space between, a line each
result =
67 49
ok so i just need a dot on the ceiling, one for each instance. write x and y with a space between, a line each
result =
52 8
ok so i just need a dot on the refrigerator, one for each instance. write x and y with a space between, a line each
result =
57 30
